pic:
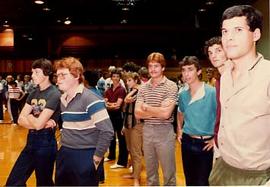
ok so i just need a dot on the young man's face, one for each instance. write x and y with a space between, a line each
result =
155 69
216 55
237 40
38 76
65 80
190 74
115 78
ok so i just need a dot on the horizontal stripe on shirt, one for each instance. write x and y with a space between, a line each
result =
82 116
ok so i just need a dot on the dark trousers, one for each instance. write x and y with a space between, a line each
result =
38 155
75 167
117 122
100 171
1 106
197 163
14 107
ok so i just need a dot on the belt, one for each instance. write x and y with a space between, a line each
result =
201 137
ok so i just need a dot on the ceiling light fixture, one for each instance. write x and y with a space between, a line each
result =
125 9
46 9
210 3
6 24
124 21
202 10
67 21
126 4
39 2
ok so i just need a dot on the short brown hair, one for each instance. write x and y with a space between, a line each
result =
157 57
253 16
134 75
43 64
73 65
212 41
190 60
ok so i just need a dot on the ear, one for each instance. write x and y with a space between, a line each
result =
77 77
163 68
199 72
256 35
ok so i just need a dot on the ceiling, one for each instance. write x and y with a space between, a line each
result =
175 25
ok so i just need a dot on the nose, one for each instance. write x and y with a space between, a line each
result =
184 73
230 35
213 56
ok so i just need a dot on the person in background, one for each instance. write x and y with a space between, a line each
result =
28 87
244 133
1 101
144 75
214 50
155 104
109 82
182 85
101 82
19 81
132 127
130 67
40 114
9 78
15 95
91 79
196 120
86 130
114 98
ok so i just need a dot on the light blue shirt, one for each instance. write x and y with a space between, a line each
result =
199 111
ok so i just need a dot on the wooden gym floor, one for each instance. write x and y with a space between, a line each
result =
13 139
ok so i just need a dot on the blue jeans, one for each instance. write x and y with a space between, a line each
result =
38 155
75 167
197 163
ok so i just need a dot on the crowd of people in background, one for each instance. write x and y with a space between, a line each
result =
147 112
13 94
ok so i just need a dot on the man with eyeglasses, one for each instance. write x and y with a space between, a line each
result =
39 115
87 130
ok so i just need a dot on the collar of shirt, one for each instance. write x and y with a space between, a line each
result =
252 65
117 87
162 81
79 90
233 87
229 64
200 93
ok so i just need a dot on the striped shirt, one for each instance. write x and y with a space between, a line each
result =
86 123
14 92
166 90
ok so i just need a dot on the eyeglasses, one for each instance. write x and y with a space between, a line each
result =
62 75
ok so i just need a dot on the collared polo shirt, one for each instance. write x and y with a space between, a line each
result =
166 90
113 95
199 111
